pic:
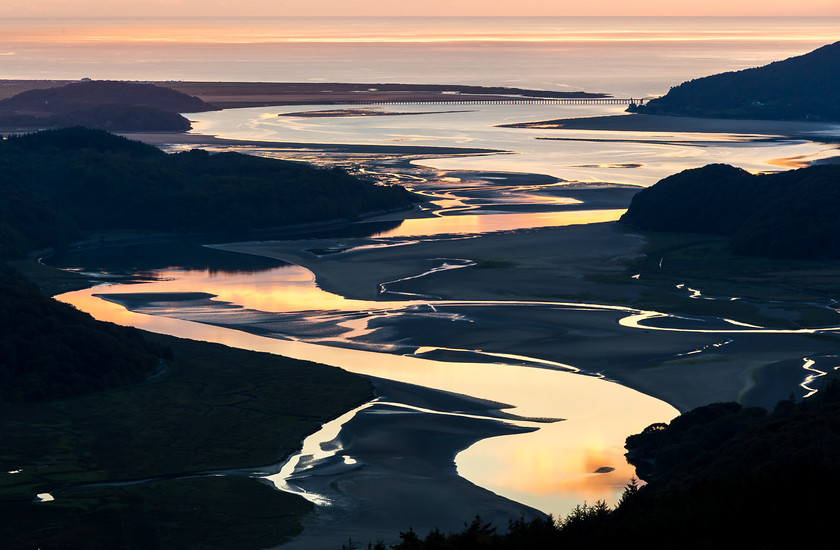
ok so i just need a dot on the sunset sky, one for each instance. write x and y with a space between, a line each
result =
87 8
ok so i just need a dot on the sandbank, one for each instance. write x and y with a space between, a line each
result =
228 95
402 472
563 264
662 123
357 273
173 138
340 113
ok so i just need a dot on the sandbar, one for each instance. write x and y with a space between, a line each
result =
663 123
402 473
227 95
173 138
340 113
562 264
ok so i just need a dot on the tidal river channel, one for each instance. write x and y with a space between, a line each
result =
537 366
575 424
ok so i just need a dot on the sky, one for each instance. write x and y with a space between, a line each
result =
180 8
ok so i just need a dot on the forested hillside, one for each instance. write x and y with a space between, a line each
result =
62 181
50 350
789 214
113 117
806 87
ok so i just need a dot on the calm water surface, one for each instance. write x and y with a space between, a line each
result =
552 469
626 56
638 158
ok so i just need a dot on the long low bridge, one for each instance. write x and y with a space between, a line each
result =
455 100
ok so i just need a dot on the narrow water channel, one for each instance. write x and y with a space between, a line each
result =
553 468
568 429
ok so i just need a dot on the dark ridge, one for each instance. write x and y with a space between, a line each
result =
61 180
806 87
75 139
783 215
49 350
95 93
107 105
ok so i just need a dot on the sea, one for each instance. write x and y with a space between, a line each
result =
624 56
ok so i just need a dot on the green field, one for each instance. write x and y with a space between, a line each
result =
777 293
212 408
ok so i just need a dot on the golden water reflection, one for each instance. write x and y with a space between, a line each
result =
552 469
281 289
486 223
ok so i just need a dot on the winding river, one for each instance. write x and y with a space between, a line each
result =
571 422
576 423
552 468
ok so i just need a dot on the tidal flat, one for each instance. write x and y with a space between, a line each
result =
499 299
618 295
553 298
547 299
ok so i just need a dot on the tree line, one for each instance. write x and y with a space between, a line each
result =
58 185
62 182
791 214
50 350
799 88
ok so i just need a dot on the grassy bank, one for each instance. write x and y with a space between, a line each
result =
209 408
731 285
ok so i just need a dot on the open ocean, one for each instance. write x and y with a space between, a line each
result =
635 56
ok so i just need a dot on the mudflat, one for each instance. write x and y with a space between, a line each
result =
663 123
564 266
228 95
577 266
403 473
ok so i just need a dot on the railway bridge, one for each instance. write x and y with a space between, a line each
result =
503 101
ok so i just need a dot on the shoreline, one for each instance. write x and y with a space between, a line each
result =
174 138
227 95
663 123
560 264
533 264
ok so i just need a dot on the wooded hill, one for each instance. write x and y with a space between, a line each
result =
806 87
790 214
107 105
91 93
58 182
50 350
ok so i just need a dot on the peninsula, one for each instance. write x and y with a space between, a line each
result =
798 88
794 97
789 214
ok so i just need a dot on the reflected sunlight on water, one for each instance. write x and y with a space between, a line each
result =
282 289
633 56
632 157
486 223
255 30
550 469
